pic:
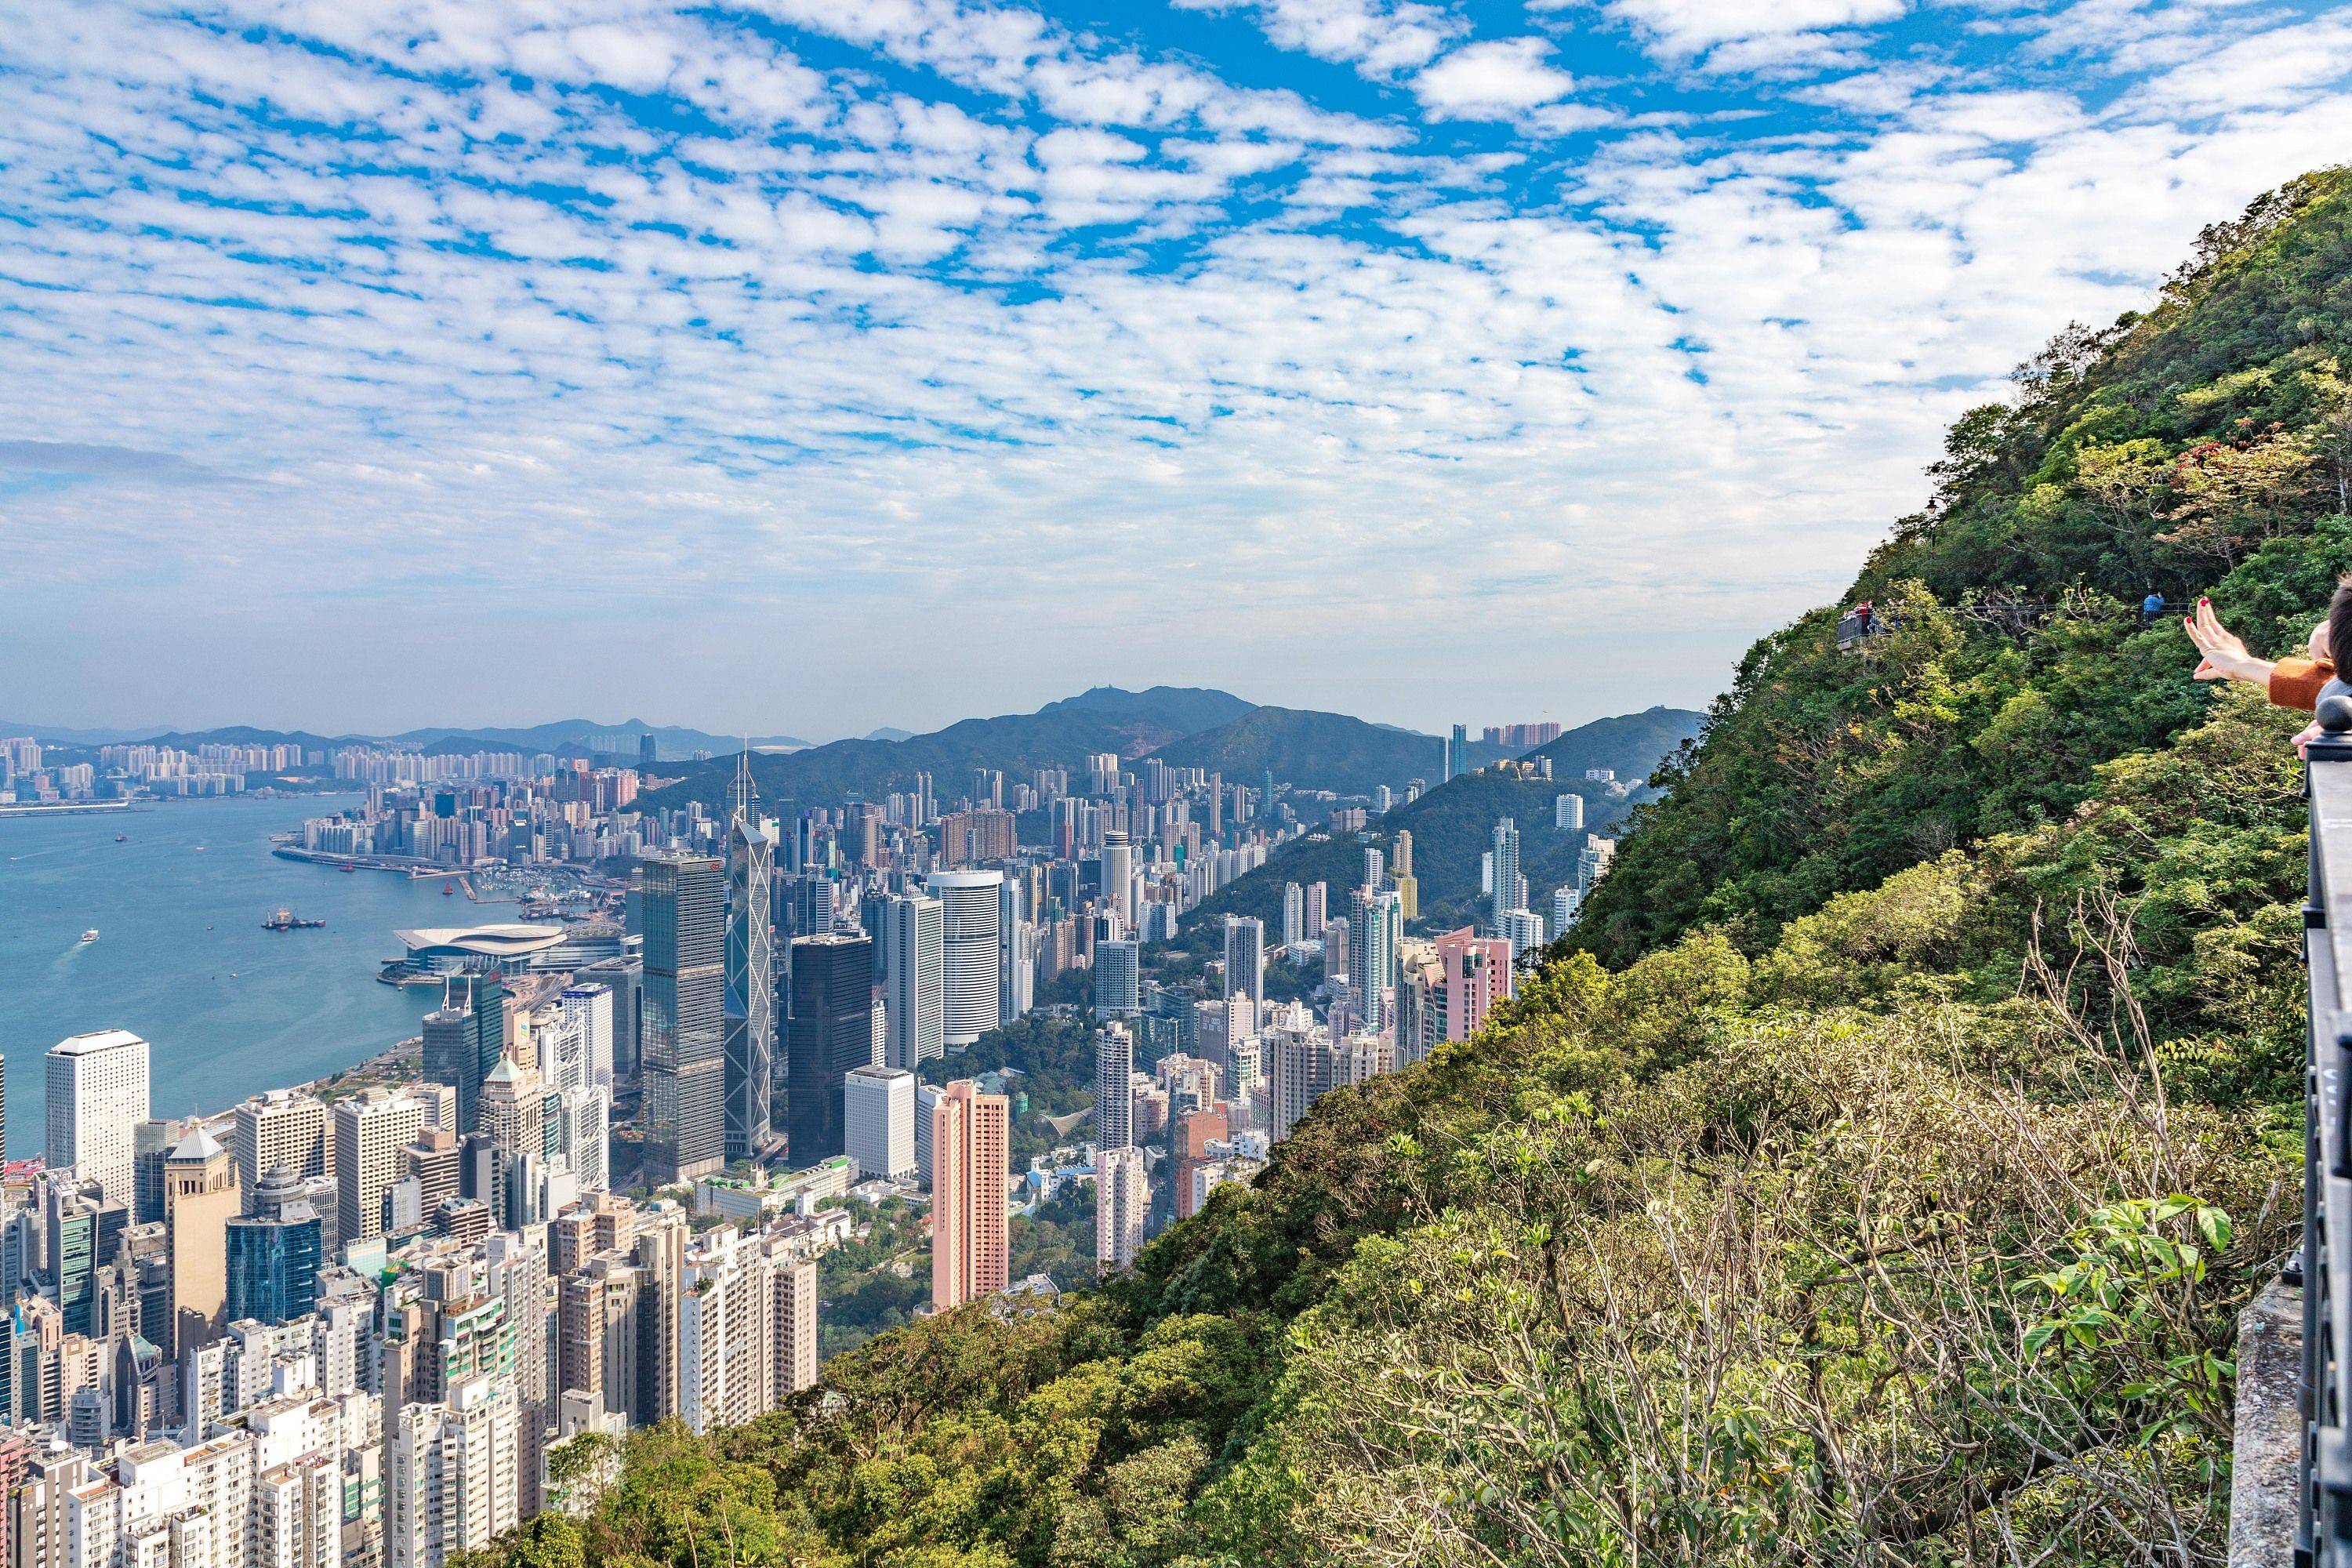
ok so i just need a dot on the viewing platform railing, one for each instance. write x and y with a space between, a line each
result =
2325 1538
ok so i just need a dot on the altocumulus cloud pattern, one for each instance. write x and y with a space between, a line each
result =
1215 331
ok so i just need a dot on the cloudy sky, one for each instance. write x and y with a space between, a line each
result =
809 365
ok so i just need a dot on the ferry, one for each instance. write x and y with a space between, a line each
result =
90 935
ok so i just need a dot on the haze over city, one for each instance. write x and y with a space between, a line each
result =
807 367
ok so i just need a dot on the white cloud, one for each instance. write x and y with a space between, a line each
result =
981 327
1380 37
1492 80
1682 28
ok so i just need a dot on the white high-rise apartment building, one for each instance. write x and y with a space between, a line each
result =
1568 813
971 938
283 1127
97 1094
453 1474
1524 930
589 1010
1122 1201
747 1326
1294 914
913 1000
878 1122
1503 877
371 1129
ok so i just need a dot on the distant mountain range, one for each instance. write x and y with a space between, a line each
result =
572 737
1188 726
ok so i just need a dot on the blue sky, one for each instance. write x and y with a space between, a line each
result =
807 366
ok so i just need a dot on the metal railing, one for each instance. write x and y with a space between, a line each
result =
2325 1537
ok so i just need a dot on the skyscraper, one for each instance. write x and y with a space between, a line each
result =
1319 909
1114 1087
1294 914
1375 869
1118 876
911 980
1245 957
1568 813
1119 979
832 1033
1122 1202
464 1039
97 1094
283 1127
1457 754
200 1197
1506 855
1375 929
274 1253
372 1130
750 1009
969 1254
682 902
971 953
452 1480
877 1110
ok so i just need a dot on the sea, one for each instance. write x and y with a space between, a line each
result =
181 959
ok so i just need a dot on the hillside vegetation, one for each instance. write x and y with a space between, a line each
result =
1874 1182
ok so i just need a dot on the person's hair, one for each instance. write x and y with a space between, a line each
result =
2339 624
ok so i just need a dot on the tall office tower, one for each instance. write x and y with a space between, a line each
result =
682 902
912 995
1318 908
751 1003
647 754
1401 877
371 1128
970 948
1245 957
584 1117
877 1116
1016 958
969 1254
1568 813
1119 979
1505 853
283 1127
1122 1201
1114 1092
274 1253
1294 914
514 1125
1118 876
464 1039
98 1093
1376 874
832 1032
200 1197
453 1478
149 1140
588 1016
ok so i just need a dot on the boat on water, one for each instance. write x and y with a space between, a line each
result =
287 920
448 888
90 935
122 838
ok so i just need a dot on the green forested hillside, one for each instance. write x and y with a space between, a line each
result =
1874 1182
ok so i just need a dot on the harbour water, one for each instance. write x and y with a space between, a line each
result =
182 958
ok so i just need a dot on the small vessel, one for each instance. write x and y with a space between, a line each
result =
122 838
347 868
448 888
90 935
287 920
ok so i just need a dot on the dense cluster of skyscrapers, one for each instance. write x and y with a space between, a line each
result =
362 1329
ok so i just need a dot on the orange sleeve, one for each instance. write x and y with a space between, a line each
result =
2298 683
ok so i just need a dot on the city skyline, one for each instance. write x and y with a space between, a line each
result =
764 315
